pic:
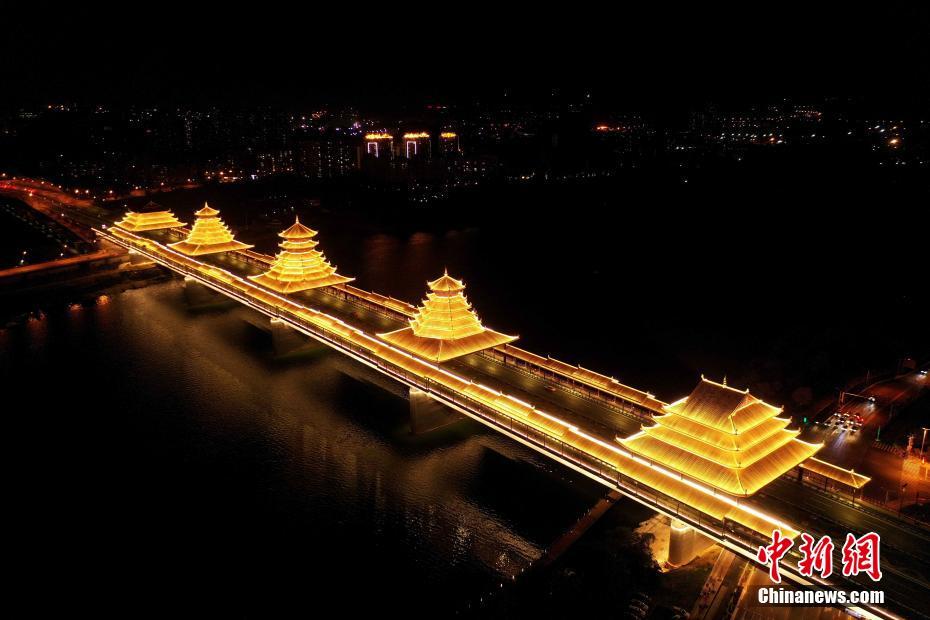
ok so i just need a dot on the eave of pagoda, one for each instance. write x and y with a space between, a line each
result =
442 350
722 407
200 249
135 221
737 458
726 441
737 481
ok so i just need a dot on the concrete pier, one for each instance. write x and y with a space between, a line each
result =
426 414
200 296
287 340
685 544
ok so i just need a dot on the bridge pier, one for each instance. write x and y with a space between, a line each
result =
427 414
685 543
136 259
286 340
200 296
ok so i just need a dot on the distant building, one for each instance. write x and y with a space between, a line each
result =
275 162
379 146
449 144
416 145
328 157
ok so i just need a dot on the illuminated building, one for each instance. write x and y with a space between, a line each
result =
723 437
278 161
328 157
448 143
417 145
150 217
445 326
299 266
209 235
379 145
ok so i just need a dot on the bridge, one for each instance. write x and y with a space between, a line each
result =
624 438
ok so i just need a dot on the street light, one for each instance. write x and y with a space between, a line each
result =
922 442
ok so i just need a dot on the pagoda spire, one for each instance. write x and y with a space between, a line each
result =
299 266
209 235
445 325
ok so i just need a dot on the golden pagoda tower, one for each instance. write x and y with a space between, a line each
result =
151 217
209 235
299 266
723 437
445 326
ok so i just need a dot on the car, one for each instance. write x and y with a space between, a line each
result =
923 373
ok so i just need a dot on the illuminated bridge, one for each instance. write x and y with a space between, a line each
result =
719 461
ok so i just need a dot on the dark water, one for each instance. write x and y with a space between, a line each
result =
166 461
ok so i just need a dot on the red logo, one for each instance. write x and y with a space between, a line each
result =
860 555
817 557
772 554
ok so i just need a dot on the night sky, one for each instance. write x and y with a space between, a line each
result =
275 53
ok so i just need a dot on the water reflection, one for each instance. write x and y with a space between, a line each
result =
270 460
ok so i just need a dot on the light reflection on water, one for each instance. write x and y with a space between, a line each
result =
272 463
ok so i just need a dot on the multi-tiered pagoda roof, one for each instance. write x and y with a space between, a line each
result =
150 217
445 326
209 235
299 266
723 437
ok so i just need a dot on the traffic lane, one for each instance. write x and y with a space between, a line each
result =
894 479
815 510
849 448
897 387
55 210
842 447
608 423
